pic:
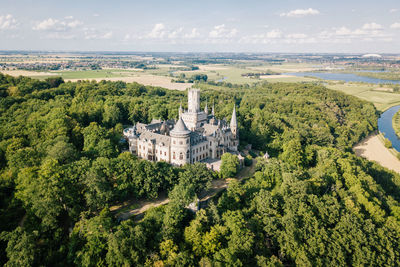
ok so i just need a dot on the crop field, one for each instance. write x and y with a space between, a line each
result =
370 92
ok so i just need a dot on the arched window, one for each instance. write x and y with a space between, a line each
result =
181 156
173 155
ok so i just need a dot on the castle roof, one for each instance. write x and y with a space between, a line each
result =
157 138
180 128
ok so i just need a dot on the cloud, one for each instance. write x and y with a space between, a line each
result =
296 36
393 10
56 25
176 33
7 22
372 26
395 26
276 33
158 31
298 13
93 34
193 34
220 31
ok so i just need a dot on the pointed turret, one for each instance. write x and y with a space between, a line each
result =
212 110
206 108
180 128
233 124
233 119
180 110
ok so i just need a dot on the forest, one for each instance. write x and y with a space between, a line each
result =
313 203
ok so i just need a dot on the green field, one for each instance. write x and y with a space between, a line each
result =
370 92
91 74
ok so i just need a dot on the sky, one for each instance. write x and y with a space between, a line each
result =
294 26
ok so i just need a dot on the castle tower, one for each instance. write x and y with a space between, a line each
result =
206 109
233 124
194 100
180 144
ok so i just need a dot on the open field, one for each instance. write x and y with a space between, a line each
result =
286 79
287 67
152 80
370 92
372 148
17 73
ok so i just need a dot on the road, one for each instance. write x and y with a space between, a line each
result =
123 212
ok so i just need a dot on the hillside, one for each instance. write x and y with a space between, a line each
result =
313 203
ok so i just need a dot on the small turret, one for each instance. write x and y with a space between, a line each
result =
206 108
212 110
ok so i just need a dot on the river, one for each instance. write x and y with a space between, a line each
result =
385 126
347 77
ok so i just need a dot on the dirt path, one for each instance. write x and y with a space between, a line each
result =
123 212
373 149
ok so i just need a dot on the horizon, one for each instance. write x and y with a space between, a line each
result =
224 26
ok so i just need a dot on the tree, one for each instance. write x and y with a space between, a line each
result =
21 247
229 165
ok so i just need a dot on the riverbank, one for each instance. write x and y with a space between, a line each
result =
372 148
396 123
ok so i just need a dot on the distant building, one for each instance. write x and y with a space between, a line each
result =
195 136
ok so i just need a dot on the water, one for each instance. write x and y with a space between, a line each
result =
347 77
385 126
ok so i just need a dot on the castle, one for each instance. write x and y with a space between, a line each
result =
195 136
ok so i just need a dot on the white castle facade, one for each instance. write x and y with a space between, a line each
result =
195 136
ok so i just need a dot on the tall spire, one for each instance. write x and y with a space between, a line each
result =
233 125
180 110
233 119
206 108
212 111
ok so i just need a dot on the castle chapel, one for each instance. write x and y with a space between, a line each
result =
196 136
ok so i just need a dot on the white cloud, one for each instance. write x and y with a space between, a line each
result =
158 31
51 24
395 26
60 36
93 34
7 22
193 34
46 24
275 33
393 10
298 13
296 36
176 33
220 31
372 26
